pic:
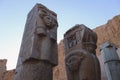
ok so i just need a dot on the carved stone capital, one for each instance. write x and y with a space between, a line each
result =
81 61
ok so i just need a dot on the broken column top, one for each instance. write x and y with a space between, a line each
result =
3 62
107 44
44 9
79 36
108 50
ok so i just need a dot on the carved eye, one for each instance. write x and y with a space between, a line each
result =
70 61
48 19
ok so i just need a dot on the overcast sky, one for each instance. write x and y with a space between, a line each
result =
13 13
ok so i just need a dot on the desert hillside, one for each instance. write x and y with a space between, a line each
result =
109 32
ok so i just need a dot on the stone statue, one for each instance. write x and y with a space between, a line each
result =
38 53
80 55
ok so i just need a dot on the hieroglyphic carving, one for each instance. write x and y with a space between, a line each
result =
81 61
38 53
72 41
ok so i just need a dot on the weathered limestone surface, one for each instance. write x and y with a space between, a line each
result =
59 71
2 68
111 60
38 53
9 75
80 45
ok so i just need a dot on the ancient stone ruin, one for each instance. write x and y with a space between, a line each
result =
38 52
4 73
111 60
109 31
2 68
26 62
80 55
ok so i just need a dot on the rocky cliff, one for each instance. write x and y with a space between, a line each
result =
109 32
9 75
4 74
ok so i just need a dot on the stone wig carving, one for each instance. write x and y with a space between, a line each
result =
38 52
80 59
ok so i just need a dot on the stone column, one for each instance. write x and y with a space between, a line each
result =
111 60
38 52
80 55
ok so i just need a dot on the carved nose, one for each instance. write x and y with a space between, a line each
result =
49 19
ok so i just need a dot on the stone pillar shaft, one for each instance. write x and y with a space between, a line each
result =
111 60
38 52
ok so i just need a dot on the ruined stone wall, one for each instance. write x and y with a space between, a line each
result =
2 68
4 74
9 75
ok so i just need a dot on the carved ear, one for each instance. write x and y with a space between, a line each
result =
79 54
55 23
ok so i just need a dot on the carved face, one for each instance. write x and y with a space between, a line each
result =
49 21
73 63
73 60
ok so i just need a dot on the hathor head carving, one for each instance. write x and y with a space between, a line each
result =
48 18
81 36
